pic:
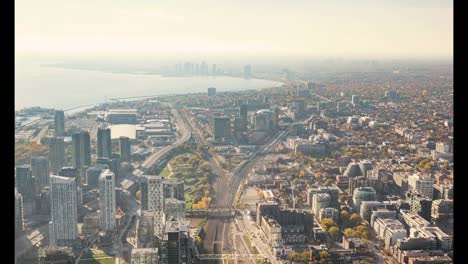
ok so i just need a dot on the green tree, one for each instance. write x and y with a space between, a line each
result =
323 254
349 232
329 182
327 223
334 232
355 219
305 255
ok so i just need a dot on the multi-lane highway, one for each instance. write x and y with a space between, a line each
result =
151 160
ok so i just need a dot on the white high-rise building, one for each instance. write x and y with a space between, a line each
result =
107 200
320 200
63 207
152 193
422 184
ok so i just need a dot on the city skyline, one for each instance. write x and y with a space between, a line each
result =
274 132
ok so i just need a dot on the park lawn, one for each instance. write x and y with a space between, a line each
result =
101 258
165 172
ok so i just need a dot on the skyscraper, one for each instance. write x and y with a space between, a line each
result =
57 158
211 91
63 224
243 112
275 117
24 182
19 227
152 194
59 123
125 153
85 149
81 150
262 120
221 127
92 176
104 143
107 200
111 164
40 171
247 71
204 68
76 150
213 72
75 174
176 243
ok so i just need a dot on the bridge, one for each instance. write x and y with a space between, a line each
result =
216 211
230 256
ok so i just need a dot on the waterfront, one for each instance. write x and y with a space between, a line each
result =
69 88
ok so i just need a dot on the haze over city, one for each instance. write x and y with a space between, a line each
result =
361 28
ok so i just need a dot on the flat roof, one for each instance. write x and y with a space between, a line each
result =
123 111
123 130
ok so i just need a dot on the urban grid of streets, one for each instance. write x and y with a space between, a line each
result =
233 239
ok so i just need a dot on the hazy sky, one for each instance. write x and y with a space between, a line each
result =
236 27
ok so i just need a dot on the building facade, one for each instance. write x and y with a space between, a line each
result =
40 171
221 127
125 149
63 224
81 150
57 157
59 123
104 147
152 193
107 203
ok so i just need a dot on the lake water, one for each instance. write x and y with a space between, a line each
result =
68 88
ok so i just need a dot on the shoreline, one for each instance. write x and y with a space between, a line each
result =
81 108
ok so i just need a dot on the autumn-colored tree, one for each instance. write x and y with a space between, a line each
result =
327 223
305 255
198 241
334 232
203 203
261 194
292 256
27 150
349 232
355 219
323 254
328 182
